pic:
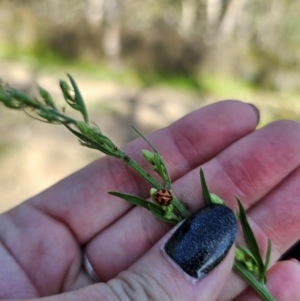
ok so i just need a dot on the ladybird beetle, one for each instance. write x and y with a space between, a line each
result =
163 197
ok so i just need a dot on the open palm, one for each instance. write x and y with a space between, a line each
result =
42 239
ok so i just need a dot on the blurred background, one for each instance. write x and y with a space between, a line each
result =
145 63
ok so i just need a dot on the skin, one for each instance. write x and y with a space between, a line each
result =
41 240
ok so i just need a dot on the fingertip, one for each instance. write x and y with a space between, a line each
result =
282 282
241 110
296 261
202 241
256 111
195 268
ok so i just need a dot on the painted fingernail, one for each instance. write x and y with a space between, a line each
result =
202 241
256 110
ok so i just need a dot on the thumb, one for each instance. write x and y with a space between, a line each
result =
192 262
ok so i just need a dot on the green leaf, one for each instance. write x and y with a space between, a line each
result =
216 199
69 98
156 160
268 256
156 210
142 136
248 253
78 134
47 98
79 99
183 212
250 278
206 195
250 239
135 200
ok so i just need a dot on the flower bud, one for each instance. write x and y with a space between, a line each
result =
148 156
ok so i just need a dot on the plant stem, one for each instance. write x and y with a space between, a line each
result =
66 118
135 166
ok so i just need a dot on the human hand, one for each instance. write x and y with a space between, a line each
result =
42 239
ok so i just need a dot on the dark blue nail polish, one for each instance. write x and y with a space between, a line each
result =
202 241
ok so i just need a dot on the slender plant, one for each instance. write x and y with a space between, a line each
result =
248 260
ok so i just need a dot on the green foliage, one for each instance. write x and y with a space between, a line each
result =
206 195
165 214
226 86
163 40
257 265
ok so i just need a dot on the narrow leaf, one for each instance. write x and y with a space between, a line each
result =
142 136
206 195
216 199
268 256
135 200
85 141
260 288
248 253
156 210
156 160
78 134
79 99
237 214
250 238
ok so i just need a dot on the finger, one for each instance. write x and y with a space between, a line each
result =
81 200
254 165
40 249
283 283
190 263
209 233
132 235
13 274
275 217
273 209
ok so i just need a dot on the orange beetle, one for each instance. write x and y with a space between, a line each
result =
163 197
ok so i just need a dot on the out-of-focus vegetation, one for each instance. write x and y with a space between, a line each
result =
139 62
250 40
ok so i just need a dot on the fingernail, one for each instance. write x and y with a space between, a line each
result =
256 110
202 241
294 260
